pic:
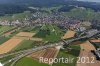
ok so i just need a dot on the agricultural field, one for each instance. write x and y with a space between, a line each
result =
5 28
31 29
73 53
25 34
3 39
9 45
19 16
63 53
69 34
46 53
50 33
24 45
26 61
36 30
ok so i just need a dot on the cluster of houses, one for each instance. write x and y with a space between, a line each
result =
52 19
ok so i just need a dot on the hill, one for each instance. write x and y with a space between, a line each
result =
19 6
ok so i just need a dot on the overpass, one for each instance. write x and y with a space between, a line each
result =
23 53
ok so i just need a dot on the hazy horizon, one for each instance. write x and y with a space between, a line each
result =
76 0
90 0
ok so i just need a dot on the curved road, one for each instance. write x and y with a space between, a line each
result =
30 51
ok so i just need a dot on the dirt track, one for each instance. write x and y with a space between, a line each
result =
9 45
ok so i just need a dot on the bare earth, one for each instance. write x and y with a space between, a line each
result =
27 36
46 53
87 46
9 45
69 34
14 41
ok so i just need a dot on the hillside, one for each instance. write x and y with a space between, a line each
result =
19 6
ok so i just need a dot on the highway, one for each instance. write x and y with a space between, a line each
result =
24 53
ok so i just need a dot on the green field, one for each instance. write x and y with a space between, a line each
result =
26 61
31 29
50 33
3 39
74 53
24 45
5 28
19 16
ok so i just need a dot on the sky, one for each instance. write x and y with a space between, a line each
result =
91 0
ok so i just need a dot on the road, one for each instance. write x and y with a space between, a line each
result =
30 51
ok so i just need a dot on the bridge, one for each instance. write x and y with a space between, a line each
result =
23 53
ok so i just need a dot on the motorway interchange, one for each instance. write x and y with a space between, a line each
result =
23 53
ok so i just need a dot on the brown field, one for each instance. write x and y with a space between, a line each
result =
50 53
14 41
69 34
9 45
28 38
46 53
38 54
86 48
25 34
36 39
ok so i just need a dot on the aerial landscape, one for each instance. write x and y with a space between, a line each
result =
49 33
